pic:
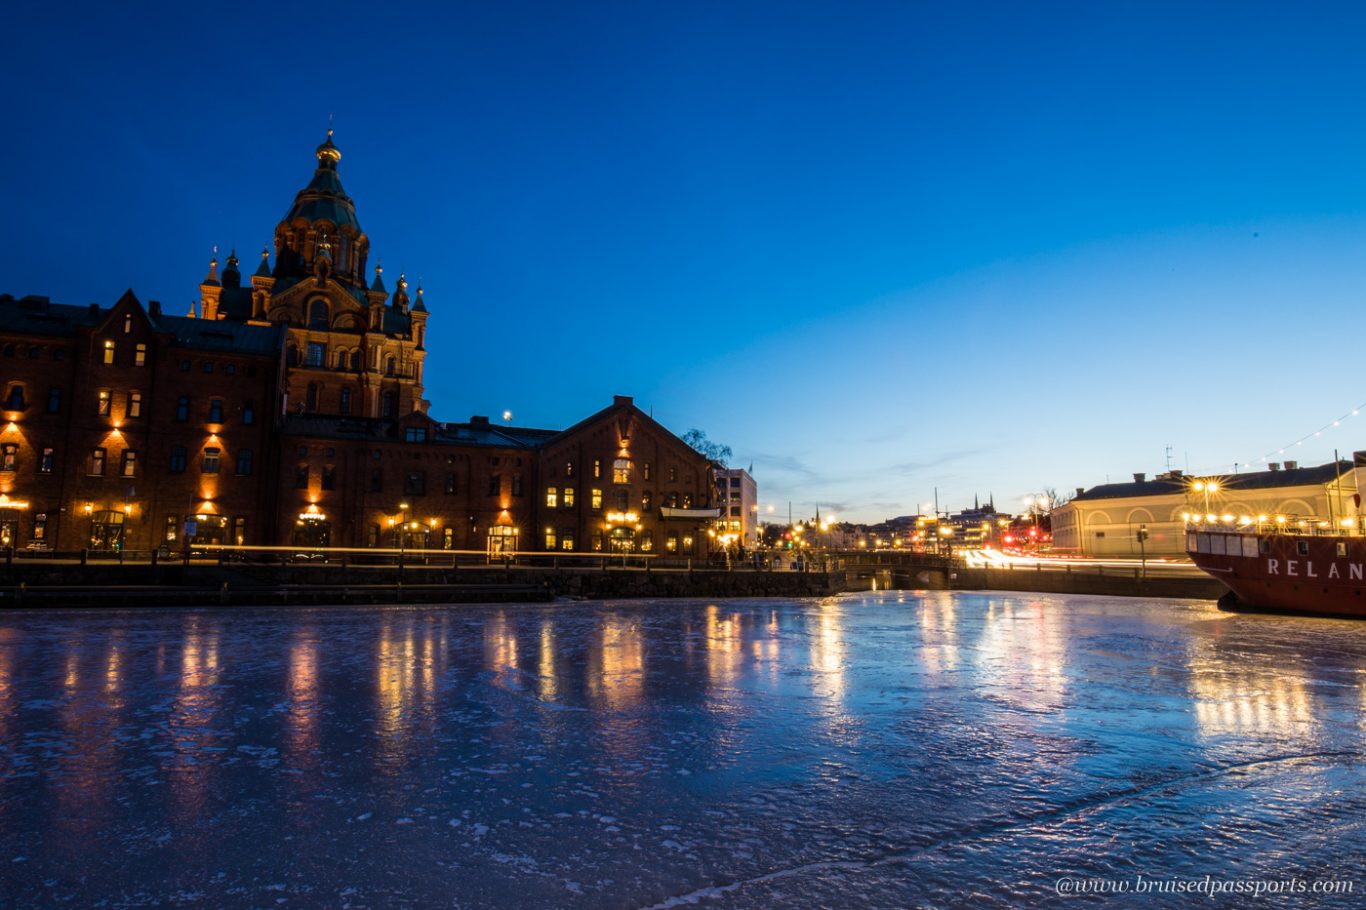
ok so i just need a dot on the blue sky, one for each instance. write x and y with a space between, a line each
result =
875 248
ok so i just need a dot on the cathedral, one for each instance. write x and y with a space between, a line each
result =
288 411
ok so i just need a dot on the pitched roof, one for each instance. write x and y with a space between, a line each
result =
1259 480
223 334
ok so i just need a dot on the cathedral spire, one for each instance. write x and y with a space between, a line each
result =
212 277
263 270
378 284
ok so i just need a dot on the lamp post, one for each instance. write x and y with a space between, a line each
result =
402 535
1143 550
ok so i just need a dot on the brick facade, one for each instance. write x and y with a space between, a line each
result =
289 411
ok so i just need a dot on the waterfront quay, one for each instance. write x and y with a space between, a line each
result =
879 750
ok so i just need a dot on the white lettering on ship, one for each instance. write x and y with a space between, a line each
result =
1355 570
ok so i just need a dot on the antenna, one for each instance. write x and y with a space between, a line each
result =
1169 457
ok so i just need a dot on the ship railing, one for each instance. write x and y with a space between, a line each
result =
1291 526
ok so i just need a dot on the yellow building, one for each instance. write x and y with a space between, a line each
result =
1105 520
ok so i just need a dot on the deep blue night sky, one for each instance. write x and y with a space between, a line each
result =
877 249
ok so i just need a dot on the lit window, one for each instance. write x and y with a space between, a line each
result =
687 543
134 404
48 462
646 500
550 538
621 470
673 475
130 463
97 463
567 539
40 526
211 460
569 497
595 500
140 356
645 471
127 323
171 529
9 456
102 408
597 468
552 498
569 469
671 542
109 352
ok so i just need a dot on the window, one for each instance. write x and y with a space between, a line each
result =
301 477
9 456
516 484
415 482
207 366
388 405
687 543
244 461
54 401
170 529
230 369
317 314
645 471
448 538
311 401
597 468
14 401
239 530
673 475
595 500
567 539
389 366
317 354
140 356
623 500
671 501
687 500
415 434
109 352
734 511
569 469
182 408
128 323
735 481
647 499
621 470
671 542
211 456
550 539
215 410
103 402
329 477
597 541
179 458
184 366
40 526
341 359
249 413
376 480
495 485
48 462
34 352
450 484
647 542
569 497
134 404
97 463
372 536
345 402
130 463
552 497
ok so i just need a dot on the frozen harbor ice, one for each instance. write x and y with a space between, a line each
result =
884 750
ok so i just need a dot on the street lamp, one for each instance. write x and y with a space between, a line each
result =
402 535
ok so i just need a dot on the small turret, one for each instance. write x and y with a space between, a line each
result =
232 278
263 270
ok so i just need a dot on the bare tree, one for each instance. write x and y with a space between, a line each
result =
712 450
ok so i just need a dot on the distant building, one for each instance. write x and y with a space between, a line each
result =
738 498
1105 520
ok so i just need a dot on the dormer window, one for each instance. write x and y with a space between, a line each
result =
318 315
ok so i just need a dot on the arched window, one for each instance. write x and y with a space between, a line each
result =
345 402
388 404
341 359
318 314
389 366
312 403
355 361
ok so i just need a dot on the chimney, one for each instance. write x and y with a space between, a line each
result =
1291 465
1081 490
479 421
94 309
154 308
1139 477
1273 465
622 399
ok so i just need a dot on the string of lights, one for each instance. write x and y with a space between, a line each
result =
1290 446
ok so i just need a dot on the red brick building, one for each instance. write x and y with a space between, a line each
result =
289 411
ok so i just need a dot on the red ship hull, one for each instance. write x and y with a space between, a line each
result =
1286 572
